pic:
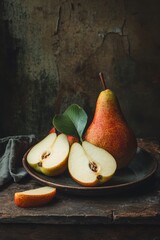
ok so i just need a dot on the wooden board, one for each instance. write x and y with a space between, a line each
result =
78 232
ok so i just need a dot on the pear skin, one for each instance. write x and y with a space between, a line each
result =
72 139
110 131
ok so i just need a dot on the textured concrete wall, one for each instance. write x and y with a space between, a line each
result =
52 51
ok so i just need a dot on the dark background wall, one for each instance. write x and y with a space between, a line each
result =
52 51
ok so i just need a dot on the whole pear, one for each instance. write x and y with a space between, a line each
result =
110 131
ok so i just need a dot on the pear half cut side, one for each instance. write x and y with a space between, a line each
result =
89 165
35 155
50 155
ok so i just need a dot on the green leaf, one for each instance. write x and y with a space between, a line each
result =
72 122
65 125
78 116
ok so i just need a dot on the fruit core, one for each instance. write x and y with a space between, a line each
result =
93 166
44 156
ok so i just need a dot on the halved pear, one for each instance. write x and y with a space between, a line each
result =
90 165
50 155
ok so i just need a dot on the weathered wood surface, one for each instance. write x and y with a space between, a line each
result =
142 206
78 232
136 208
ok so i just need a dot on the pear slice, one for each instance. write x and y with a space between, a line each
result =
49 156
90 165
34 197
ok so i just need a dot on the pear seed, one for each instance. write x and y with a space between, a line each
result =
93 166
40 164
45 155
99 177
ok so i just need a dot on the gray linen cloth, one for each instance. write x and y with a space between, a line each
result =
12 149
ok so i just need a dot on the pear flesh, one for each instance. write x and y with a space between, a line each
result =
50 155
110 131
90 165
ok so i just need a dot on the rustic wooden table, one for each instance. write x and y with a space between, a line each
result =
134 215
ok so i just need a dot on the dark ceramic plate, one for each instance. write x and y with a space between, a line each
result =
140 169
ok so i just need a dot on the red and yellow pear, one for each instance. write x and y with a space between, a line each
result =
109 129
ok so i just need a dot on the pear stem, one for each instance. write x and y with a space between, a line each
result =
102 80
